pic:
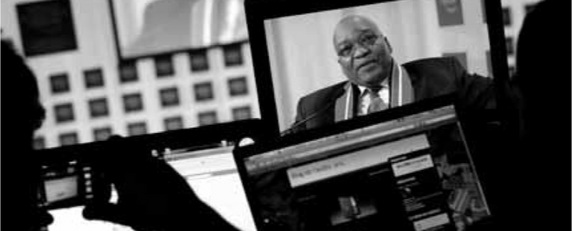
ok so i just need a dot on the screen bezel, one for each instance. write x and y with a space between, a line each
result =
343 126
126 58
258 11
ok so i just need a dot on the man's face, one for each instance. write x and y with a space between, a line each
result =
363 52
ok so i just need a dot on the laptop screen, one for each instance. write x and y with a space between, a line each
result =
212 175
300 67
410 173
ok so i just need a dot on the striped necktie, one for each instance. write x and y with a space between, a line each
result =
376 103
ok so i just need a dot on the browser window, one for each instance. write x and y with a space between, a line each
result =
404 174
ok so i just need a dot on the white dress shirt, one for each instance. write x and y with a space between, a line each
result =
365 99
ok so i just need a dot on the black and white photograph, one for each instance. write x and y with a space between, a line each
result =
285 115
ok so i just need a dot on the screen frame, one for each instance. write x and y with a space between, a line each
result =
123 58
255 17
265 145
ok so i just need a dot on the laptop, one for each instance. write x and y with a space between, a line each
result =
408 168
202 155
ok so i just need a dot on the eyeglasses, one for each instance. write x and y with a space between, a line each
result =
365 40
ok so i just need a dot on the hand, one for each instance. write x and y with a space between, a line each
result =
151 194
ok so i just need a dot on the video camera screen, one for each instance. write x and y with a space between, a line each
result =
293 46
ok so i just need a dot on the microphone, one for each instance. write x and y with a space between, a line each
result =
311 116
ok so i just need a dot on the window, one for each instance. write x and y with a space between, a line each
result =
132 102
64 113
506 16
69 138
98 108
232 55
39 143
169 97
199 60
59 83
241 113
173 123
93 78
164 66
206 118
128 72
100 134
139 128
46 27
203 91
449 12
509 46
238 86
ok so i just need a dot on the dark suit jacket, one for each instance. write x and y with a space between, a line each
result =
429 78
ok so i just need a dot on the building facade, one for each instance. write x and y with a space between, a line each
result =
89 92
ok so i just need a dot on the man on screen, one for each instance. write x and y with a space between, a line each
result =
377 82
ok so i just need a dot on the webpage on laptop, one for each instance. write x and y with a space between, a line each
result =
412 173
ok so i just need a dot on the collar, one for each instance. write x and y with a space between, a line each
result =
401 93
363 90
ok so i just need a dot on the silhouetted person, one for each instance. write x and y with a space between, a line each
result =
543 76
537 167
21 115
543 67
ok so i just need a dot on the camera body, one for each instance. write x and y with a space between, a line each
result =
74 175
68 176
66 185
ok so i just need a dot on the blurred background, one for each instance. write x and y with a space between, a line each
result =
134 67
